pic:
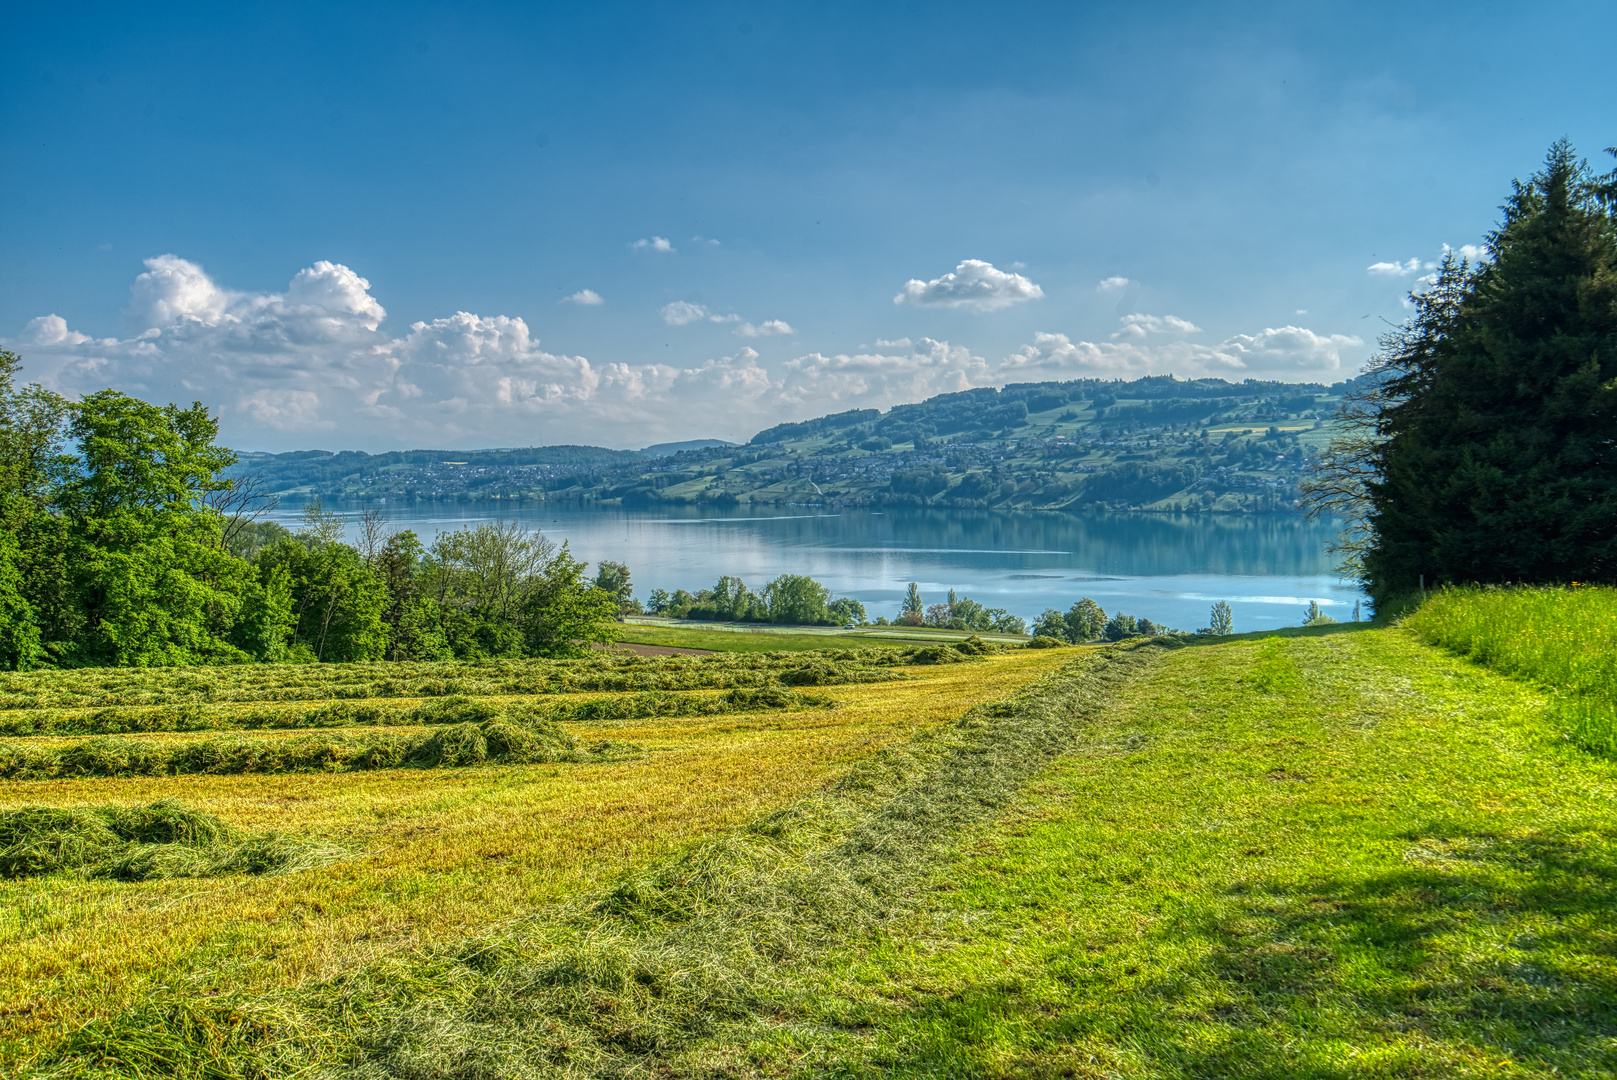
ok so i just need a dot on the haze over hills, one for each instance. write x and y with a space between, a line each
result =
1156 443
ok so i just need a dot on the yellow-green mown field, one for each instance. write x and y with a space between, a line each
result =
426 855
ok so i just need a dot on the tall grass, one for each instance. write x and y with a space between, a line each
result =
1564 639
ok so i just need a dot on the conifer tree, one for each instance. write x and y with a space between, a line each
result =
1496 459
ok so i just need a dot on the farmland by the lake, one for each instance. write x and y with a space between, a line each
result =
1346 850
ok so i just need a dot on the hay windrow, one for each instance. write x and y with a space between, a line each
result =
633 980
137 843
455 743
99 688
767 695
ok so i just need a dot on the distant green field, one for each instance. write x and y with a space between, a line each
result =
730 637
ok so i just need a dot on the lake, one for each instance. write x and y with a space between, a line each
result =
1169 568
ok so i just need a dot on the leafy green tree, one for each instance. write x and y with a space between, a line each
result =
1086 621
1495 459
793 598
337 600
1003 622
613 577
414 626
732 600
912 602
145 557
658 603
1222 619
845 610
1121 626
1051 623
268 621
480 578
1314 615
563 612
19 633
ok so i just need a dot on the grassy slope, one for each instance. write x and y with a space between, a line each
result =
1333 855
441 853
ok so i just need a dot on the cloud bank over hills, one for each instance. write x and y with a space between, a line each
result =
315 365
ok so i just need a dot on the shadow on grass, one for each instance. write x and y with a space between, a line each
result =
1478 952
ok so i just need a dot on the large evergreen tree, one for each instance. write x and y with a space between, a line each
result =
1496 456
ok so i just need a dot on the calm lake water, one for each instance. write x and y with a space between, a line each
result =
1169 568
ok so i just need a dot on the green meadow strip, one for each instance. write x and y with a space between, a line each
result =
1562 639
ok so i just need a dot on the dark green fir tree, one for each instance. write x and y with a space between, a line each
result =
1496 417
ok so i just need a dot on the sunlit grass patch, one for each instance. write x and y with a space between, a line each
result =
1391 867
438 853
1563 639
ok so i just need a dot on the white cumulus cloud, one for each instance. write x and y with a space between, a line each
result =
767 328
52 330
1139 326
1283 351
974 285
314 365
1112 284
584 298
683 313
1398 269
655 243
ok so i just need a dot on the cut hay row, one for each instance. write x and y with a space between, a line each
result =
106 687
514 737
139 720
138 843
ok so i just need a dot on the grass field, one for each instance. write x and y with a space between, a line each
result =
1562 639
435 854
1328 853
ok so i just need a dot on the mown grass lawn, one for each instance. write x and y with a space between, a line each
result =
1330 854
437 854
1326 853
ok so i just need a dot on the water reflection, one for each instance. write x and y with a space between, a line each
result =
1170 568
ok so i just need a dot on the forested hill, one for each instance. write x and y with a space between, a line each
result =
1155 443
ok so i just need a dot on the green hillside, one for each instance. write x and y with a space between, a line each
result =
1157 443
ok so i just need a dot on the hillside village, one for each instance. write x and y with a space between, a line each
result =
1149 444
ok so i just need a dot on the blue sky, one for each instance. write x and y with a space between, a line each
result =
358 226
